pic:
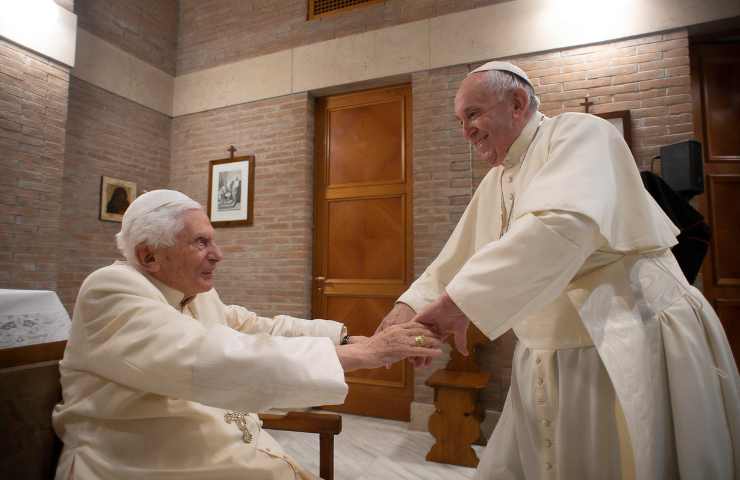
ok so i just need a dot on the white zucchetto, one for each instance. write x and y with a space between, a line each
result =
503 67
150 201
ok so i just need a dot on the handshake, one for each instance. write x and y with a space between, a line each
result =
403 333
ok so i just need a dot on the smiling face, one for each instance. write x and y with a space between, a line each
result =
188 265
489 123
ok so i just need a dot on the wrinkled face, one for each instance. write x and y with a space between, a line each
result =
188 265
490 124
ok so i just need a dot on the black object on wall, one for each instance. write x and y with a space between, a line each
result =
682 169
693 241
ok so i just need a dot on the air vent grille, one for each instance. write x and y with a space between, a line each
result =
321 8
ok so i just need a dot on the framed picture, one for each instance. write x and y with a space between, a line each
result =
622 121
231 191
115 197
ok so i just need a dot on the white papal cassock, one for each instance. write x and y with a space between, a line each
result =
147 382
622 369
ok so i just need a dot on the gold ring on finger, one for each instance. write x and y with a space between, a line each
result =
419 339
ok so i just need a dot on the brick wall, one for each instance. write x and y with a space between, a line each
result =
106 135
213 32
267 266
33 112
648 75
144 28
109 135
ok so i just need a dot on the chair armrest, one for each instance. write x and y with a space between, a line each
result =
303 422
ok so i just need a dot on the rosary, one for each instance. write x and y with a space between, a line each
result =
240 420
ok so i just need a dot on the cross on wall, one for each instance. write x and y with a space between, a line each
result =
586 103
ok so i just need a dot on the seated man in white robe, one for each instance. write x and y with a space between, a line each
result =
159 376
622 369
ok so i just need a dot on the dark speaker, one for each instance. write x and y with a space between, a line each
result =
681 167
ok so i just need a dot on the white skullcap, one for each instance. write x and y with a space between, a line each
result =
504 67
150 201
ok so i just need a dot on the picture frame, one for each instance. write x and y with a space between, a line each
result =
231 191
115 197
622 120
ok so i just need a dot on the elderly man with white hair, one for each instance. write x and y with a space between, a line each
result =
159 376
622 369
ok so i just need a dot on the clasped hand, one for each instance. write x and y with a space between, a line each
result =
442 316
392 344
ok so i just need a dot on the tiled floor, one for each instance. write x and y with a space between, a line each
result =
373 449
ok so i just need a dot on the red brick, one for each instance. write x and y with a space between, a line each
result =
584 66
587 84
678 52
667 100
664 82
616 89
636 59
564 77
612 71
679 90
663 46
681 128
564 96
639 76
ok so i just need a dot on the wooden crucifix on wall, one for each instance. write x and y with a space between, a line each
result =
586 104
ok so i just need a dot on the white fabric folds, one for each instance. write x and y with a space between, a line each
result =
146 381
582 165
622 369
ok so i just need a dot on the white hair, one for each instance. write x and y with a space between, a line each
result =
156 228
503 82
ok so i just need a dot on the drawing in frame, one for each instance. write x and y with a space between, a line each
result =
622 121
231 191
115 197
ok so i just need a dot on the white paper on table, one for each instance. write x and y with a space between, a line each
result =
29 317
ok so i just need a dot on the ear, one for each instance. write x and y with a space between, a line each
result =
520 101
147 259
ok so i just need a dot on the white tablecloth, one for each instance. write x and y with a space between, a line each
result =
28 317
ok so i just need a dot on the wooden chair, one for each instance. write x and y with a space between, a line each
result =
325 424
29 389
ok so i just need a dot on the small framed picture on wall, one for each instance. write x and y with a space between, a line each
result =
231 191
622 121
115 197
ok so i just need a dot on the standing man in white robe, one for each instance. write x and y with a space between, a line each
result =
159 375
622 369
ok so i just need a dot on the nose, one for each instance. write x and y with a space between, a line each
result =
215 255
468 130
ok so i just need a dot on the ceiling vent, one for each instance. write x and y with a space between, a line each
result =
323 8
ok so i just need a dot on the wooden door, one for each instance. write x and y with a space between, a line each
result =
363 230
715 72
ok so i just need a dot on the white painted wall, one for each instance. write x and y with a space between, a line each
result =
41 26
